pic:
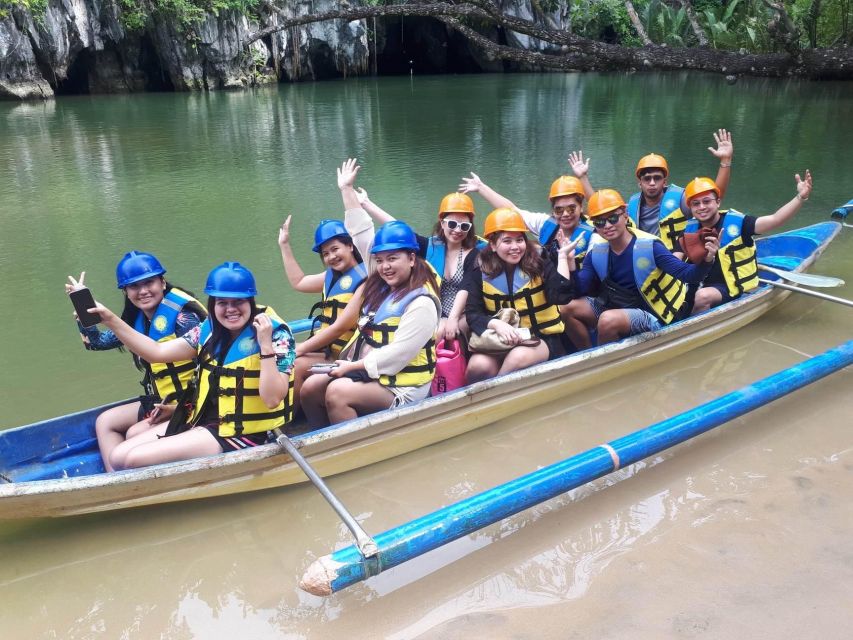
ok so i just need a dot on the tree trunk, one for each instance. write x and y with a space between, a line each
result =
635 20
694 23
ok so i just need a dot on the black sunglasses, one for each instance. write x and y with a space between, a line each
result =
464 227
600 223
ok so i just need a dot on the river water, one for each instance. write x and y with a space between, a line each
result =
743 532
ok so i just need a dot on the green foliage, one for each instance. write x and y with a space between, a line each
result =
665 24
603 20
182 13
37 8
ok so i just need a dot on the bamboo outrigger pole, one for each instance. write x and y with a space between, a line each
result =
344 568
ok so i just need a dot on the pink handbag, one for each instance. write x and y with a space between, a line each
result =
449 367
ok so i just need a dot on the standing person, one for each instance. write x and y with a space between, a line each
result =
658 207
390 360
340 285
736 269
451 250
245 353
155 308
630 282
512 274
565 221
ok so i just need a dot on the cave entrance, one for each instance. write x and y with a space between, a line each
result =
423 46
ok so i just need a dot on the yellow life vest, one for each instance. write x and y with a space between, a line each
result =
379 330
236 384
527 296
671 218
737 260
170 378
336 296
663 293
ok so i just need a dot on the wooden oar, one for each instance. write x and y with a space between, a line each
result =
366 545
808 292
808 279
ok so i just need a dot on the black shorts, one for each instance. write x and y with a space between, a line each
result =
236 443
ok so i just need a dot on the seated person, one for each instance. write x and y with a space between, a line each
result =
629 282
340 285
735 270
244 354
513 274
451 250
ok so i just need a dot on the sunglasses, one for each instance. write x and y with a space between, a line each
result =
600 223
464 227
558 211
704 202
653 177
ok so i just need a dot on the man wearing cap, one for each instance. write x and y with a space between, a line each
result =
736 269
630 282
659 208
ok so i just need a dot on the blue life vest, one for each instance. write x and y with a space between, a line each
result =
670 217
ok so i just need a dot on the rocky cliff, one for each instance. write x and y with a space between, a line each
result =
85 46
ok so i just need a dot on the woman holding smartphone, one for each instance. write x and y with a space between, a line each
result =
340 286
244 353
390 360
155 308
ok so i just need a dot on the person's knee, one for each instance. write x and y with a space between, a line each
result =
706 298
479 369
611 323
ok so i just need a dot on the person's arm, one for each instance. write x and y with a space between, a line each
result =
298 280
273 384
580 168
357 221
724 152
346 321
143 346
451 325
475 308
585 280
475 185
559 288
787 210
379 215
96 340
686 271
346 179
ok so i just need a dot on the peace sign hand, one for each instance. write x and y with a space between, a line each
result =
75 285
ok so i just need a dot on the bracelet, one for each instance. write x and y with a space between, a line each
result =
266 356
725 165
801 198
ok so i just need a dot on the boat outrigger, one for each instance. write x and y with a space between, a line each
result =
53 468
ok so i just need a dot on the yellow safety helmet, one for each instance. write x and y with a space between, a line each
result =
700 185
504 219
566 186
456 203
604 201
652 161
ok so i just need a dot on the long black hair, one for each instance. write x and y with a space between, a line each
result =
220 339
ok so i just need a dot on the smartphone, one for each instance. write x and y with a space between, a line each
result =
323 367
83 301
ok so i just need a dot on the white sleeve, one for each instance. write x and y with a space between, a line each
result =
360 226
418 324
534 221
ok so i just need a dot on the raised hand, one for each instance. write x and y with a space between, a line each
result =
263 331
347 173
284 232
804 186
74 285
725 149
470 185
580 167
362 196
712 245
567 247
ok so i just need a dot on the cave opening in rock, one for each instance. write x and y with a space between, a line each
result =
422 45
77 79
156 77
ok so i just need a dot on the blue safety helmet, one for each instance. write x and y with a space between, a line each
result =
136 266
393 236
231 280
328 230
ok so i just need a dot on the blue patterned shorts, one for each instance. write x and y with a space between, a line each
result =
640 319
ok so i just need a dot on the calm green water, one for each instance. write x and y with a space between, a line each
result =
198 179
743 533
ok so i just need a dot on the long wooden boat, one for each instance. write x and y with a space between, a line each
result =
52 468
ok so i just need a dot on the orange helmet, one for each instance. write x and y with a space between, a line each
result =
604 201
504 219
700 185
652 161
566 186
456 203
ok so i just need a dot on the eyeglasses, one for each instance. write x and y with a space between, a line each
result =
653 177
600 223
569 208
464 227
704 202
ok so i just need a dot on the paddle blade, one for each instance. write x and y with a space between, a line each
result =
807 279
